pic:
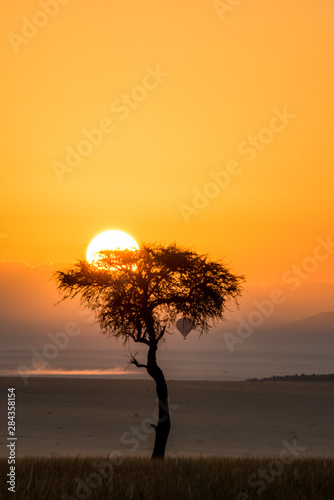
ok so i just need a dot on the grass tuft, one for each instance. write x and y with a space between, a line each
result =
138 478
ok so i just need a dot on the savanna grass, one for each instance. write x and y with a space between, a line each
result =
135 478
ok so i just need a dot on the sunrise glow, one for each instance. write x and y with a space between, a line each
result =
109 240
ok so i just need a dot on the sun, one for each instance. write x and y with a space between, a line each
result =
109 240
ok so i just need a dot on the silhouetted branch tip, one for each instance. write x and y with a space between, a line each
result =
135 362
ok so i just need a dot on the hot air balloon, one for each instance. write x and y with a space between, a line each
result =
184 325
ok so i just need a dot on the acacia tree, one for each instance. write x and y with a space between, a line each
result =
140 294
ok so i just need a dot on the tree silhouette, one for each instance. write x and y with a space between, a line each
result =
139 294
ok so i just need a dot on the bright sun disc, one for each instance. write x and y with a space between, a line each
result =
110 240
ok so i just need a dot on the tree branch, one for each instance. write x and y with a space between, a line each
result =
135 362
176 299
142 341
161 334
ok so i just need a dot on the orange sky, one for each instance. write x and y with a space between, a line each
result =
222 82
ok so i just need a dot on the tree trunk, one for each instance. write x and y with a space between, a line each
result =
163 427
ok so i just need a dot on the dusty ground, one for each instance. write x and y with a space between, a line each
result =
62 416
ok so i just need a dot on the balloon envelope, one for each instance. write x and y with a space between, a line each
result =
184 325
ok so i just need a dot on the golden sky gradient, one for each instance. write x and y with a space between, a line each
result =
179 91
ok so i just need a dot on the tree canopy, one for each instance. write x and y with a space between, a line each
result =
139 294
